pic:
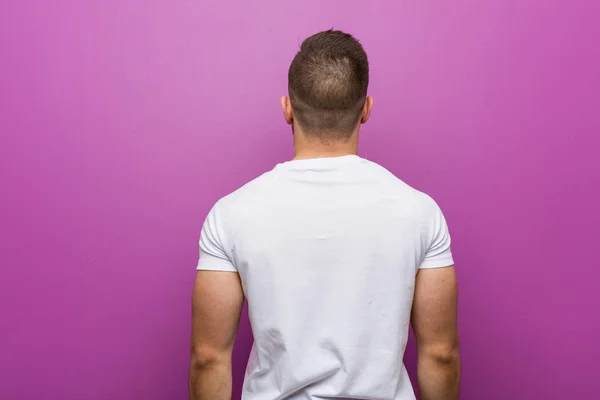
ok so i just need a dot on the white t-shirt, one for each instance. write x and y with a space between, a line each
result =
327 250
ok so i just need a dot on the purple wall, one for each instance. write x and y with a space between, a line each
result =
122 121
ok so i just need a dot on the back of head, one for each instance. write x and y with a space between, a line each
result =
327 84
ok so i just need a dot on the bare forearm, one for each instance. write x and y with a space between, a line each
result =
439 378
210 381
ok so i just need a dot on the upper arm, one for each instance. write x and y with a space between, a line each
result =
434 310
218 296
216 306
436 290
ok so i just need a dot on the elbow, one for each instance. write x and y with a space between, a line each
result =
448 357
203 358
442 354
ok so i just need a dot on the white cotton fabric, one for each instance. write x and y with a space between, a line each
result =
327 250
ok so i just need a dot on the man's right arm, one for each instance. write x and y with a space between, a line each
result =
435 327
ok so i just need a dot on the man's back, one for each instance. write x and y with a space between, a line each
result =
335 255
327 250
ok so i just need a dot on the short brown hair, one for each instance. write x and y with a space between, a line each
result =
327 84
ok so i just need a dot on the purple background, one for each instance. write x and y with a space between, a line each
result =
123 121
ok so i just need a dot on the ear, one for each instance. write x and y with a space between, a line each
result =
288 113
366 112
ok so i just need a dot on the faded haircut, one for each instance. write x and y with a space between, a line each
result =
327 84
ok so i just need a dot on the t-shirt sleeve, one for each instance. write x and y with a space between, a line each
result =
437 252
215 249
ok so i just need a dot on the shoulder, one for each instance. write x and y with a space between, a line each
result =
219 226
419 200
247 192
231 208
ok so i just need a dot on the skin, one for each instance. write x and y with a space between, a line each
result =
216 306
218 298
435 327
305 147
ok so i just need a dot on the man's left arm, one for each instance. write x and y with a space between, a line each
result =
216 306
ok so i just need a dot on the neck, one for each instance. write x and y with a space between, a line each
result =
305 148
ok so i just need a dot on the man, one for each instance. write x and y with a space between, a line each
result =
333 254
